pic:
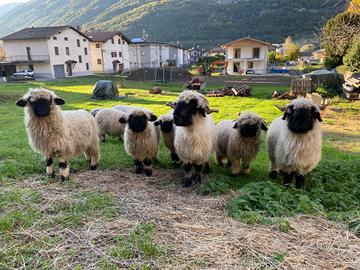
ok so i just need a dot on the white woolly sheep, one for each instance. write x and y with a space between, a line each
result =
194 137
141 139
294 141
93 112
59 134
129 109
239 140
108 123
168 128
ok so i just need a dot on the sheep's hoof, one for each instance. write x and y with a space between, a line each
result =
148 172
207 169
93 167
65 178
51 175
197 178
235 174
188 181
229 164
138 169
273 174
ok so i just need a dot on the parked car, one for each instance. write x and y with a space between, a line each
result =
24 73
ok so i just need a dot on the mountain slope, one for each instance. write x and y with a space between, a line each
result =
189 21
7 7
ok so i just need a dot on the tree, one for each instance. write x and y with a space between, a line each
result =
275 57
352 58
338 34
291 49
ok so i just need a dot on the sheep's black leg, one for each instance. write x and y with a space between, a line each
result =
188 177
138 166
175 158
228 164
300 181
273 174
64 170
197 174
147 167
288 177
50 168
207 168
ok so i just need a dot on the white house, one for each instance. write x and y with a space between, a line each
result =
109 52
51 52
246 56
144 53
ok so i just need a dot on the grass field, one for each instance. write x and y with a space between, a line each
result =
27 207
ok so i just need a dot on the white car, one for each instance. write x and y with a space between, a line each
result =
24 73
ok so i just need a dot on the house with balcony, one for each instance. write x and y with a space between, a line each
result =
51 52
246 56
109 51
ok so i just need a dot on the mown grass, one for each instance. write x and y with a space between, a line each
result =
332 189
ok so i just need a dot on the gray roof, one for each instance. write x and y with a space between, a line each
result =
39 32
104 36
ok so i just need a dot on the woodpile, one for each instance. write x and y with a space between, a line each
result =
282 95
239 91
351 87
155 90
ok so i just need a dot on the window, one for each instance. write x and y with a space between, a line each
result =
67 51
78 42
66 39
123 41
54 38
119 54
97 45
80 59
250 64
99 61
87 66
56 50
113 54
112 41
119 41
85 51
84 40
237 54
256 52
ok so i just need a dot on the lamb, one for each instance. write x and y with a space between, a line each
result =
59 134
294 141
108 123
239 140
194 137
167 128
141 139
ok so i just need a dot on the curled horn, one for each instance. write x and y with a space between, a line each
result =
212 111
283 109
323 106
170 104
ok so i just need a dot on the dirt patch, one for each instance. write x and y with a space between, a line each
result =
197 231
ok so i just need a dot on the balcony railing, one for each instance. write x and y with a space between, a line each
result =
246 59
19 59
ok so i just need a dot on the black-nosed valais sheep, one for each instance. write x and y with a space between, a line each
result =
239 140
194 136
141 139
59 134
294 141
108 123
168 128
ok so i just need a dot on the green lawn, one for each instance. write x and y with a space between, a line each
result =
332 189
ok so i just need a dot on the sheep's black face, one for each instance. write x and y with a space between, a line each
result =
166 126
301 120
138 123
184 112
249 130
41 107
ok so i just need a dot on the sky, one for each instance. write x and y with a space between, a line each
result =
2 2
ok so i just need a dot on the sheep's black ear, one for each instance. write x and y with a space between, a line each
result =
21 103
59 101
316 114
152 117
123 120
263 126
235 125
289 110
157 123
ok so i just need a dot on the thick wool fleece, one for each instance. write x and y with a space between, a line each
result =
293 152
108 123
170 136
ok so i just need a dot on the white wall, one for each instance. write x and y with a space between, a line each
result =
246 52
122 48
80 68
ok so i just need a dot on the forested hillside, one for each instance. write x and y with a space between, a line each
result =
204 22
7 7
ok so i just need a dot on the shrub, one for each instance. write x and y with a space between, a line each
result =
352 58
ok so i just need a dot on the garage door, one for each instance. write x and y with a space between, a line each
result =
59 71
